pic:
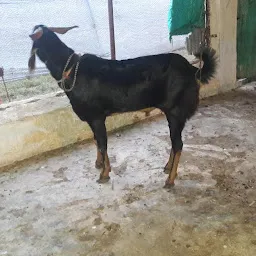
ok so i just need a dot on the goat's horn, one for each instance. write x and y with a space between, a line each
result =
61 30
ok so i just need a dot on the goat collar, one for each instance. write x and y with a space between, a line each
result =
65 74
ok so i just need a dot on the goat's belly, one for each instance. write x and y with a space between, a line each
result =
130 106
138 100
144 110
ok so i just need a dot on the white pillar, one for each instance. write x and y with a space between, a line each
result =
223 20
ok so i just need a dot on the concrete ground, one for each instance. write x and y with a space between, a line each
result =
53 206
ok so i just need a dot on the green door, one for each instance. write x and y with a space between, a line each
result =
246 39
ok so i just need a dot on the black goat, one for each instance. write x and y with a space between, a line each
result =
99 87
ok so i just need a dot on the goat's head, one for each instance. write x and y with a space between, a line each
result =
45 41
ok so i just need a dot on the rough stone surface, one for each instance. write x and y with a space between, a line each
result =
52 205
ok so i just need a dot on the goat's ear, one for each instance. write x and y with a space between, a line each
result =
61 30
36 34
32 60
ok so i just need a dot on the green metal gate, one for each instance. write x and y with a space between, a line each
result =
246 39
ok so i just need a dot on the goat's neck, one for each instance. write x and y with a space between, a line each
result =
57 62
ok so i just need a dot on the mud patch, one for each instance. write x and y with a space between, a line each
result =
17 212
121 169
60 175
97 221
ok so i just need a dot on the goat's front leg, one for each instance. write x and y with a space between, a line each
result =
100 135
99 160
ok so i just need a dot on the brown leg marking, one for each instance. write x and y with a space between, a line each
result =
99 160
104 176
173 173
169 165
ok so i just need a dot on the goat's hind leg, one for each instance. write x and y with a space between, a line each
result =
176 126
169 164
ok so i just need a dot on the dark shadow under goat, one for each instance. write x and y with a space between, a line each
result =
98 87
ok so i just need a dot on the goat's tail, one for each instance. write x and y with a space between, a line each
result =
210 64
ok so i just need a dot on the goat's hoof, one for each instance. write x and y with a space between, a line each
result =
169 185
98 165
103 179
